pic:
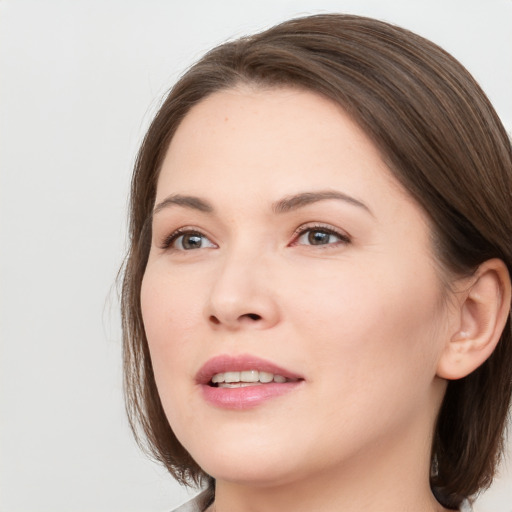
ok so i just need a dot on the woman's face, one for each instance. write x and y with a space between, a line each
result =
284 248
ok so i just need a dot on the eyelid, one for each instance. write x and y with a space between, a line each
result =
167 241
344 236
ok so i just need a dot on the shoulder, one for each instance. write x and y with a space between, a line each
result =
197 504
466 507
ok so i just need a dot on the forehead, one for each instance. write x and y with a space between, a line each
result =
269 139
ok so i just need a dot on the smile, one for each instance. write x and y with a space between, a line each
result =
246 378
244 381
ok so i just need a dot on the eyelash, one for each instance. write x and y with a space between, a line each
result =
344 238
169 240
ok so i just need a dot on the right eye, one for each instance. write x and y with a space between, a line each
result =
187 241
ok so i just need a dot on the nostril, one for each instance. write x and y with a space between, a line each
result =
214 320
253 316
248 317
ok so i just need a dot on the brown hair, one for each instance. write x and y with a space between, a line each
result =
441 139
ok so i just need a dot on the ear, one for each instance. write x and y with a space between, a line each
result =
483 307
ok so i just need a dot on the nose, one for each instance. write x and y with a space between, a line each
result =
242 295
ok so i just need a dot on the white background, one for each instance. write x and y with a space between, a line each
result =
79 82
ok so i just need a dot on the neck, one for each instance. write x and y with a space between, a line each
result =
325 493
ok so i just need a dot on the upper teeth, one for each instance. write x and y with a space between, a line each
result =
247 376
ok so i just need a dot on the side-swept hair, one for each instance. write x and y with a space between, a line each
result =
442 140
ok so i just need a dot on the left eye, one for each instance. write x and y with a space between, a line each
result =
320 236
190 241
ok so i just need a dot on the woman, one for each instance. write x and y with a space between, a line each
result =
316 301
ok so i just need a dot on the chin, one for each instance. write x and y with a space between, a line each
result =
251 474
246 462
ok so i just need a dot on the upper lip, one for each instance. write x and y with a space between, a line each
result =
227 363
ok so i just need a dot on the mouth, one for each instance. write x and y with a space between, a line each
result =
245 378
244 381
243 369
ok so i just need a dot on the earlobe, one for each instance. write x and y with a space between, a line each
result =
482 312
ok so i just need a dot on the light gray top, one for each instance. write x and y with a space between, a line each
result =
197 504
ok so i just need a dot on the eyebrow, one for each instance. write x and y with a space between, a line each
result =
287 204
195 203
296 201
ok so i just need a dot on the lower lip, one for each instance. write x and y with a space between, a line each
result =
246 397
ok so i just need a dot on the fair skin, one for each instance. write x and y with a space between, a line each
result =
342 289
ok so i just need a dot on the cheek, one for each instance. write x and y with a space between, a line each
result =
168 306
372 351
371 325
170 313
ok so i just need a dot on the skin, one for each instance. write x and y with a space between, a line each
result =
363 318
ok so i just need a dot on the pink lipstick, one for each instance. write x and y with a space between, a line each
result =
244 381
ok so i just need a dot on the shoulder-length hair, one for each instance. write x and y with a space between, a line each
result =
442 140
